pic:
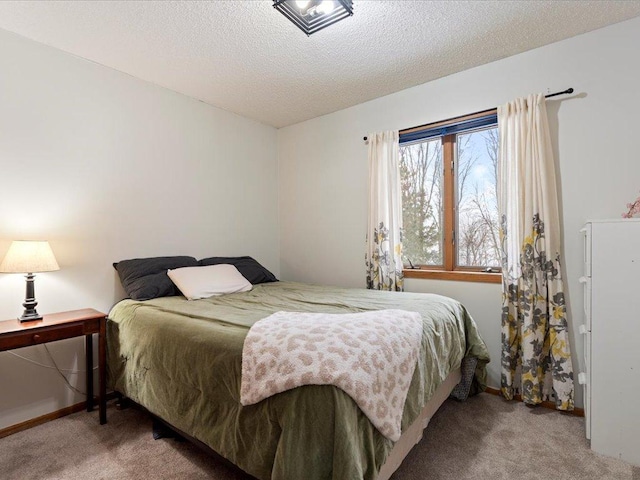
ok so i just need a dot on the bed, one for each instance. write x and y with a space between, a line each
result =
181 360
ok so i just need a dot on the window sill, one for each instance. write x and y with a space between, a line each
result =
456 275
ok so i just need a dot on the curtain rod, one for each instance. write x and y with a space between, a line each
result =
564 92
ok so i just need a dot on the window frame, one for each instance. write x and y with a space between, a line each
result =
450 271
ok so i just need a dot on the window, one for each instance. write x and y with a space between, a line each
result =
450 209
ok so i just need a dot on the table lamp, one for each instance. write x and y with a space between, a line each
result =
28 257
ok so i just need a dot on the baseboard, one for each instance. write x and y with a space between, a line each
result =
5 432
578 412
34 422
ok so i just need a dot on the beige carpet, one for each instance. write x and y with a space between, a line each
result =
483 438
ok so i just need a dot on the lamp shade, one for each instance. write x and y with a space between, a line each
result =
29 257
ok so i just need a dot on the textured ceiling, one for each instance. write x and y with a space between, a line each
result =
245 57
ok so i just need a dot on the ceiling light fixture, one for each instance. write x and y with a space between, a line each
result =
313 15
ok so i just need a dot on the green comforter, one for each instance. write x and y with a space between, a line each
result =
182 361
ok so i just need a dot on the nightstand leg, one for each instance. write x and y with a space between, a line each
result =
89 368
102 370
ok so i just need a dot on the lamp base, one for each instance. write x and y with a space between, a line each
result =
30 317
30 313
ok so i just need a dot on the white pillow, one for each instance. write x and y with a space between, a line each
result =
204 282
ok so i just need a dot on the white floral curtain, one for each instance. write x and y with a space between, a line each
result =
384 231
536 358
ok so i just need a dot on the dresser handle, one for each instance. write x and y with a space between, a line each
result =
582 378
36 337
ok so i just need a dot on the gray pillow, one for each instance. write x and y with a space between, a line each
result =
247 266
146 278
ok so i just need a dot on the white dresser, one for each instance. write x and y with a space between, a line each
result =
611 330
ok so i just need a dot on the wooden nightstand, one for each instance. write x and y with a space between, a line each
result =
59 326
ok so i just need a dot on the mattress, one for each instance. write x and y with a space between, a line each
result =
182 361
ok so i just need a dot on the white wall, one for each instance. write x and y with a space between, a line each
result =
108 167
323 162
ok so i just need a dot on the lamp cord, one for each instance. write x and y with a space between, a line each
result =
66 380
55 367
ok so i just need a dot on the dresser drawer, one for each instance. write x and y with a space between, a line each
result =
586 250
43 335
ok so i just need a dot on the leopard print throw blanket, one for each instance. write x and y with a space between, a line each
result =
369 355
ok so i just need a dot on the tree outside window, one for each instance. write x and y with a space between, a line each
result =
450 207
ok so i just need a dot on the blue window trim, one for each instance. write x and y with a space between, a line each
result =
443 130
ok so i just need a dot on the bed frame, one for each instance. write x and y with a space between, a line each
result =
412 435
